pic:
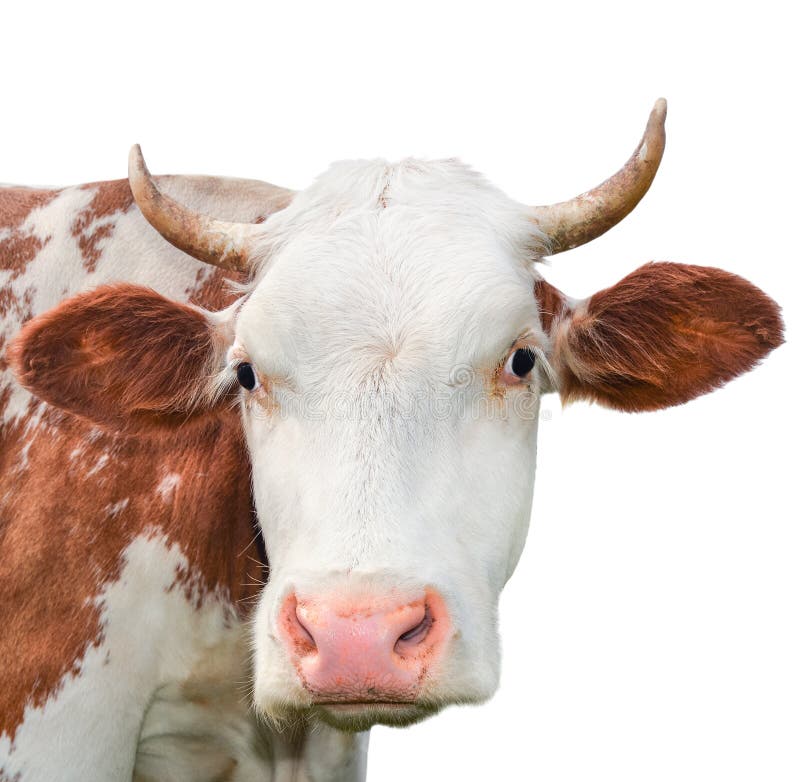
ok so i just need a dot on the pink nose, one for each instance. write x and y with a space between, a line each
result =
364 650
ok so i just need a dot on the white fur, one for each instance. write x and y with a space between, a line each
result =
377 287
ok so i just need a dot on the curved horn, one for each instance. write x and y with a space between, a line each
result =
218 242
571 223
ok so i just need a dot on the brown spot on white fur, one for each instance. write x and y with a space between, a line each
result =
92 225
18 246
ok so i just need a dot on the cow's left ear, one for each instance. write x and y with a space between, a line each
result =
124 356
665 334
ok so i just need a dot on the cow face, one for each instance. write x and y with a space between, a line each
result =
389 353
377 346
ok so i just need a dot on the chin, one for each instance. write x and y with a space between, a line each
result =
354 717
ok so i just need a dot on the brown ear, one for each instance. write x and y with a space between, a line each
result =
665 334
120 355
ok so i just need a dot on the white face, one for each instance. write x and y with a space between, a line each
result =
393 456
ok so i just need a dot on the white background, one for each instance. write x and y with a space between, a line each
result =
651 631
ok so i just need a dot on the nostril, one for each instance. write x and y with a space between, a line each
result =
304 632
417 633
297 631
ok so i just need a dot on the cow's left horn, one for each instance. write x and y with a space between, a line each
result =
218 242
571 223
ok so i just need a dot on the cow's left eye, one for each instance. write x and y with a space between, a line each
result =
246 376
519 365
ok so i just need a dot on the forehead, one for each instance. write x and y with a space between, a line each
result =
393 258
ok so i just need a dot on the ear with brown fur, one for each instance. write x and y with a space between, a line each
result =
665 334
121 355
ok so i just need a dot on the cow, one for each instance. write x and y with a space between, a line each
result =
268 456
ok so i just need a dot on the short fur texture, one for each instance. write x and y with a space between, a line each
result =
118 355
663 335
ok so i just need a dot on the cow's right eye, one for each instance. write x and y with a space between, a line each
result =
246 376
518 367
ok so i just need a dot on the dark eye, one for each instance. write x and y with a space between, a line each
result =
521 362
246 376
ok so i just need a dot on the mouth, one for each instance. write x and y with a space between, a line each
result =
361 715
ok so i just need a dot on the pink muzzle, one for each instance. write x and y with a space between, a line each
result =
365 650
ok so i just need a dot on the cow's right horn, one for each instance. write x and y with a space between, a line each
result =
218 242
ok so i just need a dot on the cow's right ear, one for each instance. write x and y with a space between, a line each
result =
123 356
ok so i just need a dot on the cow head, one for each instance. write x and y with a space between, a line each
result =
389 353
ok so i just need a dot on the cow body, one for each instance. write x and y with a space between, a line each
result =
127 564
376 378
